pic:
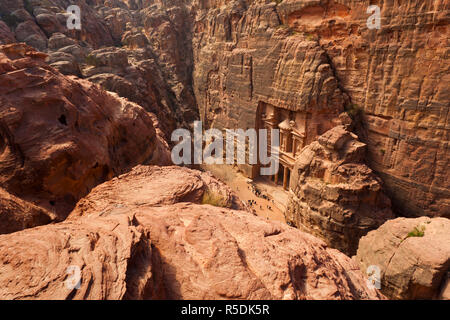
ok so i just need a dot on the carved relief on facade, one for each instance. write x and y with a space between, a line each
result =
292 126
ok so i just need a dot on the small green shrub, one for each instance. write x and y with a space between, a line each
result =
282 26
214 199
92 60
417 232
310 37
353 110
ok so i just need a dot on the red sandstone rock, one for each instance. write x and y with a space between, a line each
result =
412 265
34 263
154 186
129 245
6 36
315 57
334 195
16 214
158 75
62 136
319 57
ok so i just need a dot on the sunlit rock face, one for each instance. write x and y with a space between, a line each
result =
245 58
61 136
222 60
320 57
398 76
363 119
412 256
334 195
138 49
130 239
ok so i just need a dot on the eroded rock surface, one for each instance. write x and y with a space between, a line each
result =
413 256
155 186
41 263
61 136
17 214
146 47
334 195
316 57
319 57
146 249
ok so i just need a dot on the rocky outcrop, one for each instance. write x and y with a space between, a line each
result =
319 57
45 262
154 187
16 214
6 36
413 256
135 242
398 77
227 61
140 50
61 136
334 195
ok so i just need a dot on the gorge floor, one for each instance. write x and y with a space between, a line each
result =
242 187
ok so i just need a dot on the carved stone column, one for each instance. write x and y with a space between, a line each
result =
285 178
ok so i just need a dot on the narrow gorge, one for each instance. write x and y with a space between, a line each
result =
87 175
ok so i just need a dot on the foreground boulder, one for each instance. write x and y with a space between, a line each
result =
151 186
413 256
35 263
61 136
334 195
128 245
17 214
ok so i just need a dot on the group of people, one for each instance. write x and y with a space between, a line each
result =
256 192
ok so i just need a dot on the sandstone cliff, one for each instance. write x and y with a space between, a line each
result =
319 57
61 136
413 256
17 214
164 63
316 57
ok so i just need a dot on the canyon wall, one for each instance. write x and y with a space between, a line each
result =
138 49
60 136
245 56
224 59
319 57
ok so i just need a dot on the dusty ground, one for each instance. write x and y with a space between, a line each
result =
240 184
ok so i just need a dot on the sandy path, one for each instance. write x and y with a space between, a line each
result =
239 184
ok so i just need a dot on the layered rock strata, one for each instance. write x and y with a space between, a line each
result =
412 255
61 136
334 195
142 248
